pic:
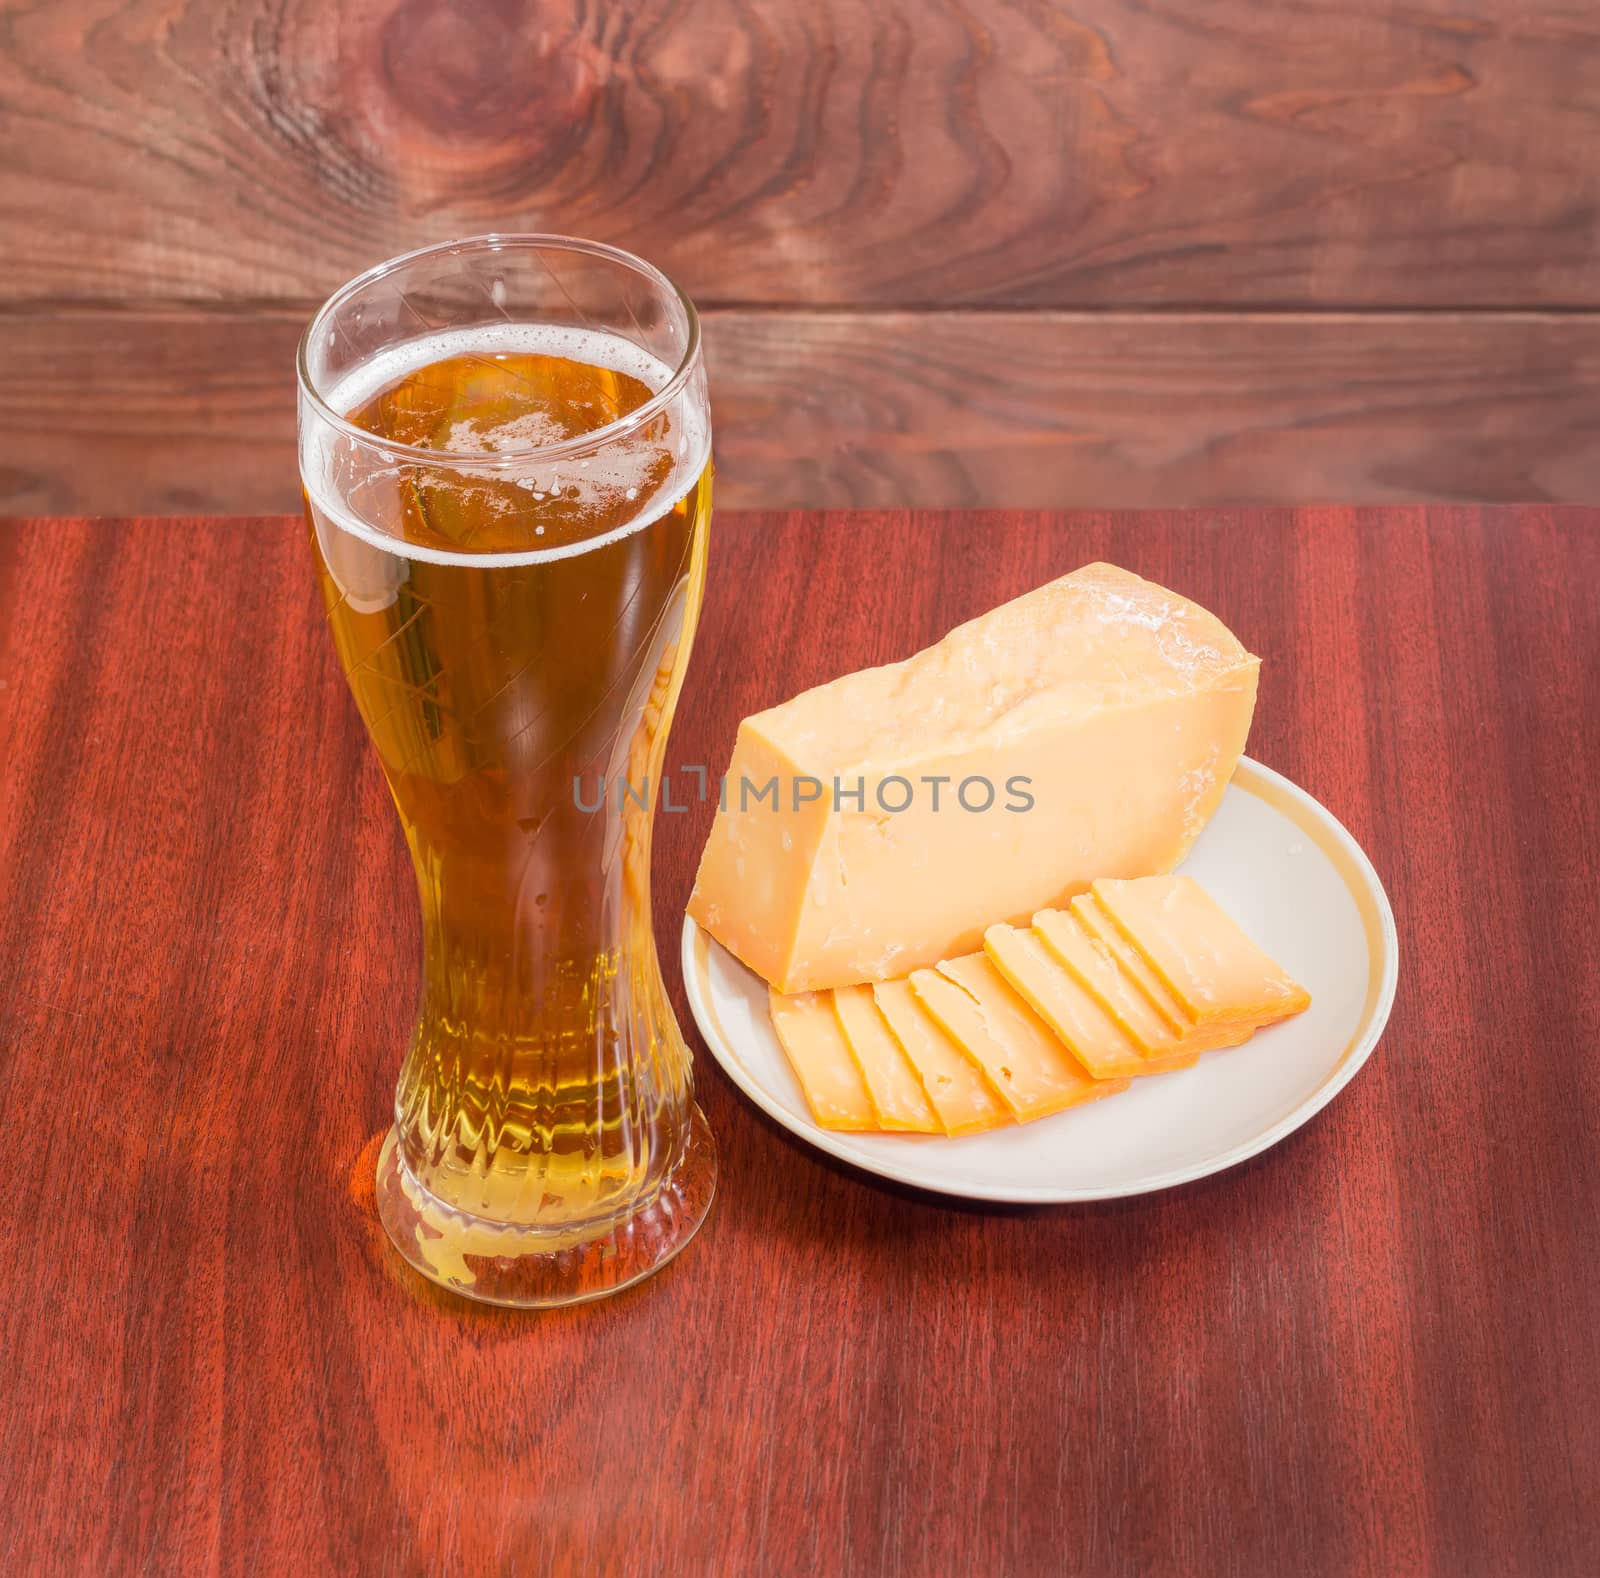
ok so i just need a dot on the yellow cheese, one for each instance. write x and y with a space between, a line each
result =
1091 1035
1201 956
882 822
1216 1037
1115 989
1015 1049
1094 967
892 1085
817 1051
1091 915
963 1098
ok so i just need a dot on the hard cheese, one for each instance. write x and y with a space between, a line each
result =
1094 1038
1216 972
1091 915
963 1098
820 1057
1014 1048
892 1084
1087 729
1104 974
1094 967
1139 977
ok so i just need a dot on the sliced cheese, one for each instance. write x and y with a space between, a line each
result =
963 1098
1199 953
1089 1033
817 1051
1095 969
881 822
1099 971
1092 916
1003 1037
892 1085
1219 1037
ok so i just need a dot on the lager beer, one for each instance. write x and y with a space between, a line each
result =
509 521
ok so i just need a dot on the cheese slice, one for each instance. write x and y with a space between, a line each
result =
882 822
1199 953
1100 972
1003 1037
809 1030
1091 915
1219 1037
963 1098
1094 967
1093 1037
892 1085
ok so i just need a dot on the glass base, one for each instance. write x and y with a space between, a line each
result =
522 1268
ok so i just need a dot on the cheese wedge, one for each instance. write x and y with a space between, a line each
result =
963 1098
1089 1033
817 1051
892 1085
1216 972
1003 1037
882 822
1091 915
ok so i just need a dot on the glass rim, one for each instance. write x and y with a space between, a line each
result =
504 241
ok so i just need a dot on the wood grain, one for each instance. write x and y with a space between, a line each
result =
195 410
1370 1350
1058 153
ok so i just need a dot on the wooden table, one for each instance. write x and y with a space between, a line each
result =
1375 1349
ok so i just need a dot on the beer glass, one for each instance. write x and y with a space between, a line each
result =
505 457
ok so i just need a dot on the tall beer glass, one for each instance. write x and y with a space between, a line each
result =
505 455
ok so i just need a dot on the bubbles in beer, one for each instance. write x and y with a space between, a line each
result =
489 403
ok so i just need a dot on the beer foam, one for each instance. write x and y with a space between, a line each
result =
617 466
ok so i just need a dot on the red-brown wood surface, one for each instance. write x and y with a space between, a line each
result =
1063 253
1370 1350
123 412
1020 153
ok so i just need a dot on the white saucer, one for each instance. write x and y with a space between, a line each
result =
1292 877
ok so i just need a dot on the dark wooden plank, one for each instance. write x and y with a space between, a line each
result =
195 411
1062 153
1367 1351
